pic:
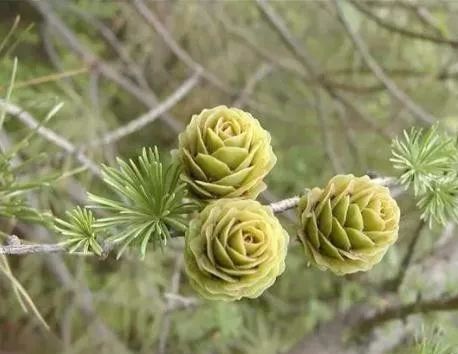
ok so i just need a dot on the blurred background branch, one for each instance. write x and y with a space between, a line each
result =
333 82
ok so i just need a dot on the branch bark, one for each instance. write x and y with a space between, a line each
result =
329 338
402 311
14 246
32 249
285 204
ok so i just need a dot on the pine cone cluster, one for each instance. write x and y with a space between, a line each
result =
235 247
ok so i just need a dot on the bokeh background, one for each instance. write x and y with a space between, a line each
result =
298 68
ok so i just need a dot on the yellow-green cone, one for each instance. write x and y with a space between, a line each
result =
234 248
225 153
349 225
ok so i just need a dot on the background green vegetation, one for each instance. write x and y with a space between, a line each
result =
341 119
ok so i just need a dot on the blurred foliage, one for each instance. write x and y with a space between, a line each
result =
231 40
433 340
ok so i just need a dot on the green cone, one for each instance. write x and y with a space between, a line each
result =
348 226
225 154
234 248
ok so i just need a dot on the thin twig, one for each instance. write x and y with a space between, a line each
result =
397 281
279 26
425 17
285 204
325 133
378 72
443 251
149 117
404 31
53 55
82 293
48 134
291 66
84 300
402 311
309 63
262 72
354 110
71 40
15 246
174 288
351 138
151 18
385 181
48 78
262 53
399 72
113 41
20 249
31 249
431 5
180 302
13 240
290 203
328 338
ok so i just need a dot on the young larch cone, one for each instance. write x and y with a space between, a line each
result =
234 248
349 225
225 153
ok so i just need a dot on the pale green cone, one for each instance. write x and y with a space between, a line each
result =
348 226
225 153
233 249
